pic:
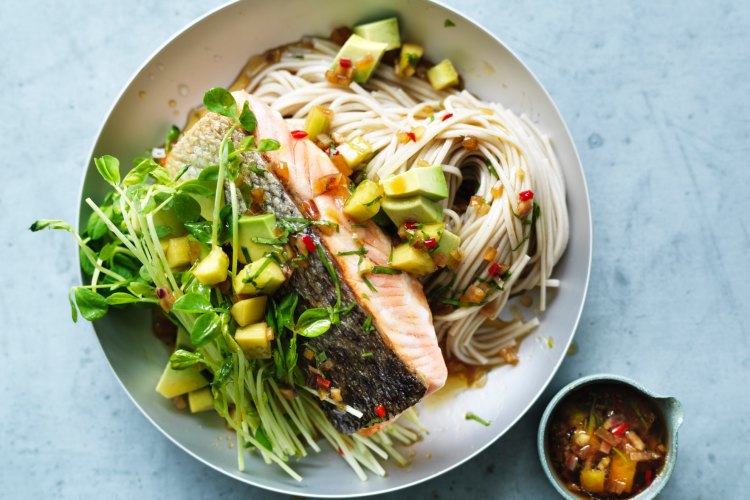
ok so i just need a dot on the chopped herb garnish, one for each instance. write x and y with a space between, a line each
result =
361 251
367 325
472 416
448 23
369 284
458 303
384 270
366 354
491 169
282 240
520 243
256 170
373 201
390 255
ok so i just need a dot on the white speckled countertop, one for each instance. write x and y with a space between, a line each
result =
657 99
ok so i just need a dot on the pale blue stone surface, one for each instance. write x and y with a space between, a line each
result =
657 98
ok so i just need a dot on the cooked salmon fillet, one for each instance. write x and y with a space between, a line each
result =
402 361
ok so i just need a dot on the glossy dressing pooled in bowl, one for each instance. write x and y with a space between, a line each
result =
607 441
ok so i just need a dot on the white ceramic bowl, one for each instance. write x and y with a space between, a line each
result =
210 53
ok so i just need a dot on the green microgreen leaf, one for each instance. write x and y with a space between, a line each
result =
220 101
285 311
73 310
109 168
209 174
471 416
247 118
204 329
182 359
268 145
96 228
91 305
139 174
172 135
186 208
119 298
222 375
163 231
194 186
201 231
193 303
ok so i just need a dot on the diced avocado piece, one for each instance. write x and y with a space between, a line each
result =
355 151
434 231
413 208
255 340
364 202
448 242
364 55
200 400
412 260
411 53
264 276
249 311
176 382
442 75
183 339
178 252
213 268
256 226
385 31
318 121
424 181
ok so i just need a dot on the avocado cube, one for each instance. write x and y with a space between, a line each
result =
413 208
264 276
176 382
213 269
200 400
385 31
318 121
355 151
434 231
424 181
255 226
442 75
411 53
249 311
412 260
364 55
255 340
364 202
448 243
178 252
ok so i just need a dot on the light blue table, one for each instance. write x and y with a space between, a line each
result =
657 99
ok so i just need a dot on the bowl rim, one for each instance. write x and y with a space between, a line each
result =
672 420
587 222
